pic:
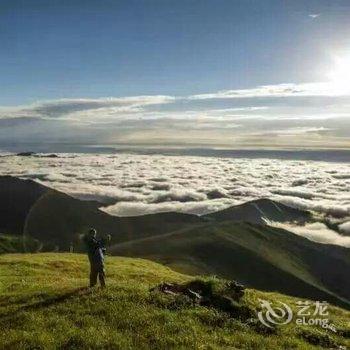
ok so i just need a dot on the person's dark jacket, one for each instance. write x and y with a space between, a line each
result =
95 250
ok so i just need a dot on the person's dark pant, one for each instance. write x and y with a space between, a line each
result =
97 271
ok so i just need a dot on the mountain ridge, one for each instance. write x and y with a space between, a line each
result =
224 243
261 211
27 207
21 200
257 256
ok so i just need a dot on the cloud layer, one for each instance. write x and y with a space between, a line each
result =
283 115
279 90
138 184
317 232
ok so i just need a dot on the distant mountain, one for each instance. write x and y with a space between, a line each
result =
261 211
258 256
57 219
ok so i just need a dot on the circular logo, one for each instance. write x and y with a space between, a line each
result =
274 315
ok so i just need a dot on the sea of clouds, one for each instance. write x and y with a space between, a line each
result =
130 184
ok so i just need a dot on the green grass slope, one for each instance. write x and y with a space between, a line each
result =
44 305
259 256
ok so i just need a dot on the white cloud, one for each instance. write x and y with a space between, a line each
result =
300 130
279 90
316 232
345 227
332 208
314 15
139 208
77 108
179 195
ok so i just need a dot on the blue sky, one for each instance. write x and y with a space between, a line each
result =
88 50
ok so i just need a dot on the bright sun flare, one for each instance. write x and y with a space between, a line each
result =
340 75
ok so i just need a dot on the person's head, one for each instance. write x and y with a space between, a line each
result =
92 233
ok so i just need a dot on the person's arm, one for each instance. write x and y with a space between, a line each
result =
103 242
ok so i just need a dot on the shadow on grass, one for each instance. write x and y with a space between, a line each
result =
45 303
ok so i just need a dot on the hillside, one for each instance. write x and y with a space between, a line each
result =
232 243
255 255
44 305
57 219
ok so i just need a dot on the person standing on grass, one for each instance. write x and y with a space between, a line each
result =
95 251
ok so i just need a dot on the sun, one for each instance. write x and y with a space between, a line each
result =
339 76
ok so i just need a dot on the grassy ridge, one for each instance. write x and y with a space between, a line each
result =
256 255
44 305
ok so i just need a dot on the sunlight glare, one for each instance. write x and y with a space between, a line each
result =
340 75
